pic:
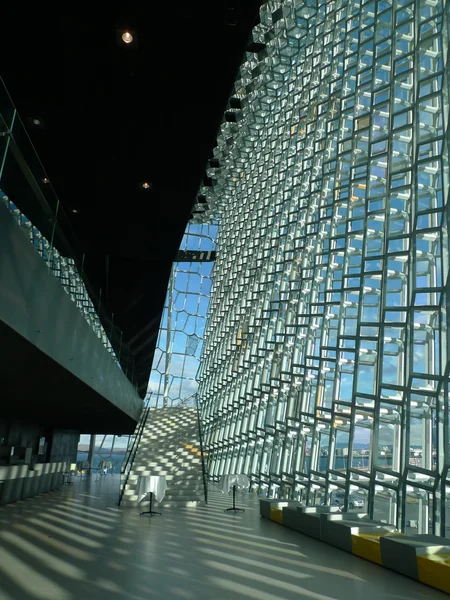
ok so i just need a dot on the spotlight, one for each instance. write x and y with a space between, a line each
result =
127 37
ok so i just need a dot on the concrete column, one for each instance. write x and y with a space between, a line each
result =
91 453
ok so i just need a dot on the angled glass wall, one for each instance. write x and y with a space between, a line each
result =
325 370
177 355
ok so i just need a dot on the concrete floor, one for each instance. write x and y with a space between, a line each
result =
76 544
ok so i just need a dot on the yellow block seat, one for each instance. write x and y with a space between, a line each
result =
276 514
367 545
434 570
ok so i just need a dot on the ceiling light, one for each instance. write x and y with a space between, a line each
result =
75 211
127 37
45 180
145 185
36 121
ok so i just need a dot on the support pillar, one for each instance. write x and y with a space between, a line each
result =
91 453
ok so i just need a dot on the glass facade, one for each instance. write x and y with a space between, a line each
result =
111 448
180 339
325 369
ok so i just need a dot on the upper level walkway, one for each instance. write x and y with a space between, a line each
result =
64 361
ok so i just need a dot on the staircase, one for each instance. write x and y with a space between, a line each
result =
169 446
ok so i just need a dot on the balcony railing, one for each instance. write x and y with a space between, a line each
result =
28 193
65 270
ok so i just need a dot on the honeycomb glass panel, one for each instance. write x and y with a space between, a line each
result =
326 335
177 354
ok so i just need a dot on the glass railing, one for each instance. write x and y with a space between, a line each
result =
27 191
65 270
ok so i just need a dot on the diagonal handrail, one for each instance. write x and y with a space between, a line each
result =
200 437
131 450
185 400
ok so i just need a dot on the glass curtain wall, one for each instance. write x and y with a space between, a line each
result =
324 370
107 448
177 355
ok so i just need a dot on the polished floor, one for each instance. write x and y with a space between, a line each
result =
76 544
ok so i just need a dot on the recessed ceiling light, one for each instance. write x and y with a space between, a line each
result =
45 180
127 37
36 122
145 185
75 211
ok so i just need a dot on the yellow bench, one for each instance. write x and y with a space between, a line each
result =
367 545
276 514
434 570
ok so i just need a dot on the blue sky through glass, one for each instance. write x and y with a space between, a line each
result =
191 288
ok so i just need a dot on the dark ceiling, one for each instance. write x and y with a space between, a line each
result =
113 116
